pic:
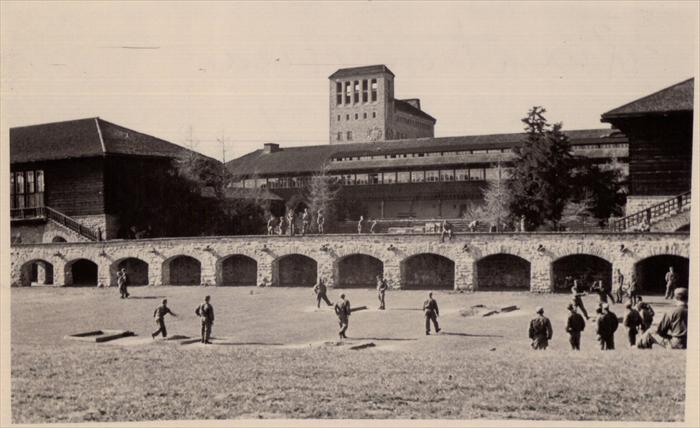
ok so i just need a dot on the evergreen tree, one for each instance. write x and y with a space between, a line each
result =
540 181
321 194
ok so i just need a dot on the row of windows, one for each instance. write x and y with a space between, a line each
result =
351 92
459 153
414 123
436 175
26 189
357 116
348 136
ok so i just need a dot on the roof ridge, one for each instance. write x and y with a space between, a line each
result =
56 122
99 133
647 96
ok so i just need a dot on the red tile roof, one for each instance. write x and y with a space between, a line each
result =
85 138
675 98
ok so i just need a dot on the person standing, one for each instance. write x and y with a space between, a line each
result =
320 290
342 310
634 289
280 226
647 314
319 221
381 291
205 312
270 224
304 221
159 316
540 330
619 286
373 225
122 283
432 312
607 289
359 224
522 223
577 292
671 280
633 322
575 324
600 291
606 326
290 222
674 325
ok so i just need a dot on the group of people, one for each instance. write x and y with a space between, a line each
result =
638 319
288 225
204 311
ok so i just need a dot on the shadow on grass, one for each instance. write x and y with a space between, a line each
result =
445 333
145 297
227 343
383 338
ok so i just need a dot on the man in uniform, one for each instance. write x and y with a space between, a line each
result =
381 291
431 311
290 222
671 279
270 224
606 326
574 326
647 313
633 322
619 286
205 312
342 309
159 315
577 293
674 325
304 221
320 290
122 283
319 221
540 330
634 289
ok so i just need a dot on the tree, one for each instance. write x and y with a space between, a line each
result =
321 192
579 210
603 185
540 180
496 201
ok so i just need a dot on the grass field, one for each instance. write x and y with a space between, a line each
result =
277 356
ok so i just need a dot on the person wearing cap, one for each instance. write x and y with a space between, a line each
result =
674 325
159 315
205 312
122 282
575 324
577 292
671 279
606 324
633 322
431 312
540 330
647 313
342 310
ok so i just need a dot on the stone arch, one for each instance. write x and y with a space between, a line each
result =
651 272
294 270
58 238
37 271
501 272
427 271
357 271
182 270
136 271
236 270
81 272
585 268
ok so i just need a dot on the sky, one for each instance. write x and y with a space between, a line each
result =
197 74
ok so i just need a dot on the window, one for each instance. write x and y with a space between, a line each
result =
374 114
30 182
349 135
403 177
348 92
374 89
356 116
447 175
20 183
491 173
347 179
338 118
417 176
12 183
364 115
374 178
462 174
338 93
432 175
357 92
476 174
347 117
364 91
339 137
389 177
249 183
273 183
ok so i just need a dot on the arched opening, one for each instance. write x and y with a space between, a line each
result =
427 272
294 270
502 272
684 228
58 239
651 272
136 271
238 270
182 270
37 272
358 271
585 268
81 272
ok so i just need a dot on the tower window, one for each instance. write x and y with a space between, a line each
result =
365 88
338 93
348 92
356 116
374 114
364 115
356 91
349 136
339 137
374 89
338 118
347 117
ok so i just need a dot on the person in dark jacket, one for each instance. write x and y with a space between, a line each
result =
575 324
342 310
321 290
381 292
674 325
431 312
159 315
606 326
122 282
540 330
633 322
205 312
647 313
577 293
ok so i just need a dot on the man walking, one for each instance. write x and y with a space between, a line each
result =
159 315
606 326
577 293
381 291
342 309
431 311
574 326
540 330
205 312
320 290
671 279
633 322
122 283
674 325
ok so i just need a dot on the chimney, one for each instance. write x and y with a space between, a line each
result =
271 148
415 102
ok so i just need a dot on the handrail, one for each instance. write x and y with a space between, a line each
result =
71 224
653 213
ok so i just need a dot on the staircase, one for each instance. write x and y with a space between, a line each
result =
47 213
655 215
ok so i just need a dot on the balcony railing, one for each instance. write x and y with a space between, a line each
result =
653 214
44 213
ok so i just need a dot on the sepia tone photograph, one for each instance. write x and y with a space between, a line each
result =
335 213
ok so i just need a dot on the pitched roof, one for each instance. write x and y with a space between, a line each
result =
402 105
309 159
675 98
85 138
355 71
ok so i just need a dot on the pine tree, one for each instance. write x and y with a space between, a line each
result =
540 181
321 194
